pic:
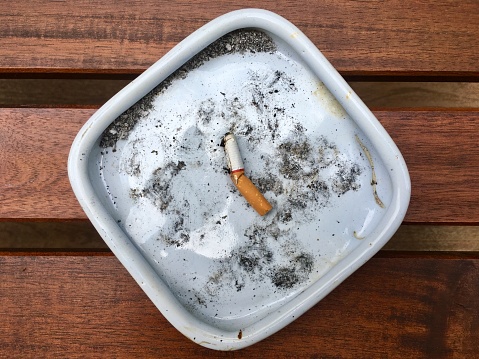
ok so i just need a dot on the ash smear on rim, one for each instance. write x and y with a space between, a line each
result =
239 41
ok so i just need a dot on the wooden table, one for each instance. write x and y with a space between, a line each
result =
85 304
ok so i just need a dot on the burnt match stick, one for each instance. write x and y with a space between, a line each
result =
236 167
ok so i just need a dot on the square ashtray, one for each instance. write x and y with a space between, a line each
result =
149 170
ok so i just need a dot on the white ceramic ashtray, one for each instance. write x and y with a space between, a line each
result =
150 172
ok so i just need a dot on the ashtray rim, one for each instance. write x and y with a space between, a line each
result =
196 330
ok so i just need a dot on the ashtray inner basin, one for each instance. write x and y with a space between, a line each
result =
161 172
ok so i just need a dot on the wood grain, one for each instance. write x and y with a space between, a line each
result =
89 306
81 235
360 38
441 153
34 147
440 148
72 235
88 92
418 94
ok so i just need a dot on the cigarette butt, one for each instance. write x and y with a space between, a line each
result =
251 193
248 190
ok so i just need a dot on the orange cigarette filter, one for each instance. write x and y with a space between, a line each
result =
251 193
247 189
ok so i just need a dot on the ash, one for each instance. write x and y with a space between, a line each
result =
296 167
239 41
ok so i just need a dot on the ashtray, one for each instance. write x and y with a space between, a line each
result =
150 170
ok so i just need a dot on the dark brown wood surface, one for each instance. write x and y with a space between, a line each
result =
34 147
88 306
440 148
359 37
398 305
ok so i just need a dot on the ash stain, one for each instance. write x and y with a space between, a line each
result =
239 41
268 183
271 250
248 130
206 111
286 277
133 164
201 299
262 232
346 175
328 152
263 88
314 192
178 241
257 261
159 188
285 216
124 124
346 179
254 256
296 159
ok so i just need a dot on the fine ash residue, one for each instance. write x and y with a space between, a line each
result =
292 178
159 188
239 41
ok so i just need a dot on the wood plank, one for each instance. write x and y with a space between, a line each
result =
432 238
71 235
83 92
81 235
88 306
440 149
417 94
360 38
34 146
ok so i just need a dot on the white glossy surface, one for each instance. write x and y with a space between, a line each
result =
205 258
